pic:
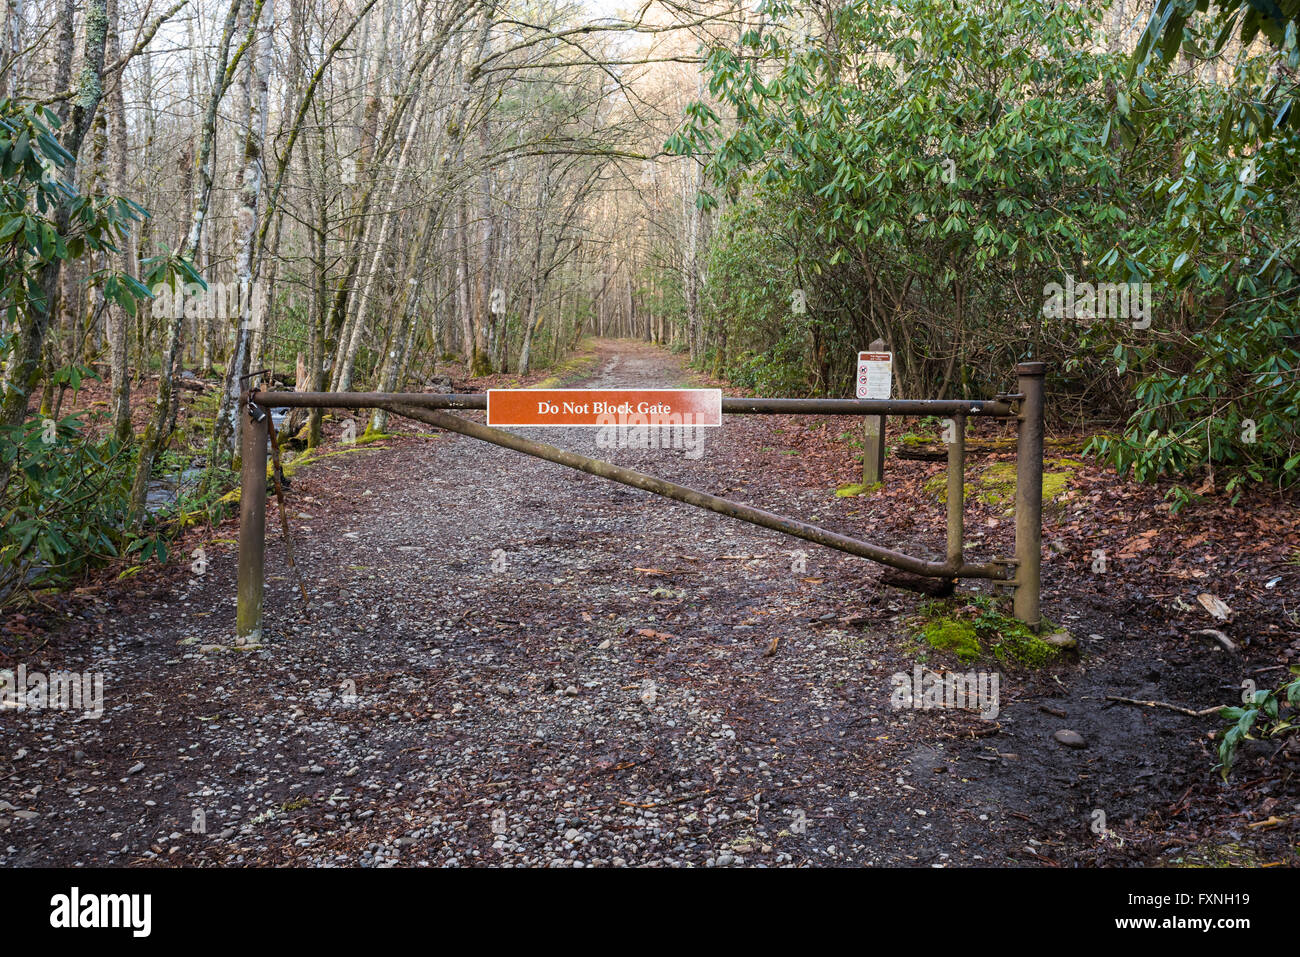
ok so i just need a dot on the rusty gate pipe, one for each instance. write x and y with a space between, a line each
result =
369 400
956 489
948 407
1029 495
730 405
681 493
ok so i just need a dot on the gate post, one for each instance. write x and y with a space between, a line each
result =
1029 493
873 439
252 521
956 490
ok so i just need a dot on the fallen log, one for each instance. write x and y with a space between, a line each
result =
937 451
193 385
934 587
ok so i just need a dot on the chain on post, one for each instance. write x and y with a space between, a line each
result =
277 474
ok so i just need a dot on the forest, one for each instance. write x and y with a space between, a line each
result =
353 196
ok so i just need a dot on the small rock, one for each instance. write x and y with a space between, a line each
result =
136 768
1061 639
26 815
1071 739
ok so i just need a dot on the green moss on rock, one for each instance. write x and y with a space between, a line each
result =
974 628
1018 645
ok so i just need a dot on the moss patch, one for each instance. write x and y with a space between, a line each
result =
1017 645
574 367
291 466
974 628
958 637
848 491
937 485
996 484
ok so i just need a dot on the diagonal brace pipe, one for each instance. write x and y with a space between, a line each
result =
714 503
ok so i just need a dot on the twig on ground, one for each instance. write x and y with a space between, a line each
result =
1165 704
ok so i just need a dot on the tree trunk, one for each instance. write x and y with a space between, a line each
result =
23 369
155 435
119 323
252 100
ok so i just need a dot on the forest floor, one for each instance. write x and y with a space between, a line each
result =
508 662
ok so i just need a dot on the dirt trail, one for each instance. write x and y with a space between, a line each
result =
513 663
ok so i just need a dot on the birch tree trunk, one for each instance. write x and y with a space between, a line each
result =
690 264
119 323
353 344
155 435
252 98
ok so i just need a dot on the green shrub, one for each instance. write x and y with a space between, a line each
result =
1267 714
64 498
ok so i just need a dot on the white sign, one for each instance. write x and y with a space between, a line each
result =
875 374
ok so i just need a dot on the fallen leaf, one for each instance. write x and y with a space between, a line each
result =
1215 607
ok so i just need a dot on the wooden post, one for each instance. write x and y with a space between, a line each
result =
956 489
1029 494
252 522
873 439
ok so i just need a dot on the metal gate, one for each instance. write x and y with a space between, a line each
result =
1021 571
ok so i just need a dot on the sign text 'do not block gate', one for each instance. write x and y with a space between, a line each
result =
1022 571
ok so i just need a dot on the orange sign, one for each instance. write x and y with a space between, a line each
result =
604 407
